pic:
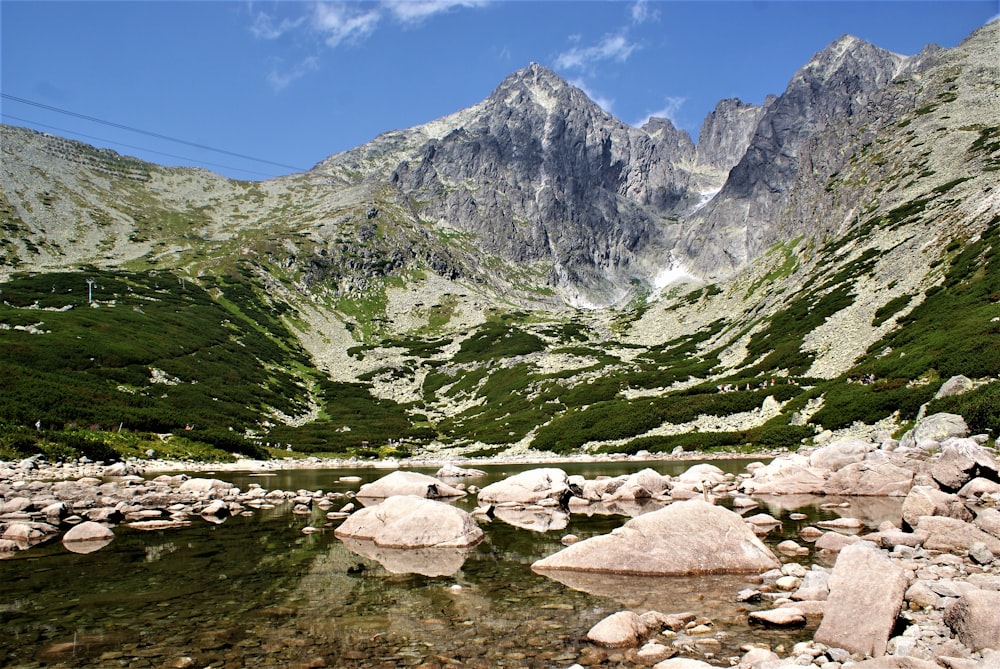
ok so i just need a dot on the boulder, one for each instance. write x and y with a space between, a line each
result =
450 471
781 617
624 629
988 520
528 487
834 541
979 487
682 663
216 509
956 385
690 537
408 521
644 484
954 536
15 505
863 579
408 483
929 501
702 475
785 475
757 656
87 537
204 486
975 619
936 427
962 460
840 454
880 479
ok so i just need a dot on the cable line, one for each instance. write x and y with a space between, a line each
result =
138 148
122 126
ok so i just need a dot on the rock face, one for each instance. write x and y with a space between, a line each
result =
691 537
412 522
838 83
863 579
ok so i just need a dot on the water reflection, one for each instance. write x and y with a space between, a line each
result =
256 591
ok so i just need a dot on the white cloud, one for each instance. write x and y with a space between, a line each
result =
264 27
641 12
344 22
415 11
280 78
603 102
615 47
668 111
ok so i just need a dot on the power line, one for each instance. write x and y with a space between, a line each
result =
130 146
157 135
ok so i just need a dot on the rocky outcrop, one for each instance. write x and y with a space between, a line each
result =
837 84
690 537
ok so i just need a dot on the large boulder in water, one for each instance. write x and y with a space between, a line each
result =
408 521
408 483
690 537
528 487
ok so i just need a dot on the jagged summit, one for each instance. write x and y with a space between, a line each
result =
850 54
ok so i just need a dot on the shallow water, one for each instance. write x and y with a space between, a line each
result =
257 592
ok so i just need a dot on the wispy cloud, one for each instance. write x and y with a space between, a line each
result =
264 26
668 111
280 77
641 12
614 47
337 24
415 11
344 22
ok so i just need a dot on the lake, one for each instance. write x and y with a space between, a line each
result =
255 591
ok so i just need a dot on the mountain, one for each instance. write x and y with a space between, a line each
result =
529 272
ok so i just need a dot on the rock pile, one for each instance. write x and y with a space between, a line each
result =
916 588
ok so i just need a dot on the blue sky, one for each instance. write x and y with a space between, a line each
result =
290 83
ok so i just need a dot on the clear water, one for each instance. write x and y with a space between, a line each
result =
257 592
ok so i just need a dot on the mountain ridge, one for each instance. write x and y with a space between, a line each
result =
530 272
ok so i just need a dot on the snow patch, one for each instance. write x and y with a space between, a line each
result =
673 273
704 198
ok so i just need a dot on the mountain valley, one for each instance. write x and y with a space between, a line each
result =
529 274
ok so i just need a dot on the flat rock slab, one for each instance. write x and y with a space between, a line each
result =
684 538
866 594
784 617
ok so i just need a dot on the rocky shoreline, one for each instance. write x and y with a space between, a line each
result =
917 593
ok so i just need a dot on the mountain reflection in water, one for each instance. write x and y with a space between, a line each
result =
257 591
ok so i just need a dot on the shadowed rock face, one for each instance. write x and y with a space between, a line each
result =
838 84
691 537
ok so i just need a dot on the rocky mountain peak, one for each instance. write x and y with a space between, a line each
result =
849 54
539 86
